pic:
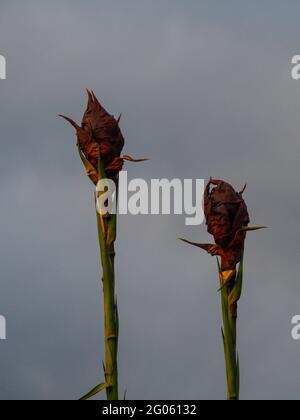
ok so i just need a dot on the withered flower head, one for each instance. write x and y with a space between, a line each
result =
101 130
225 211
227 218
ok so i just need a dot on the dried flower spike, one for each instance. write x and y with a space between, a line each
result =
100 144
227 220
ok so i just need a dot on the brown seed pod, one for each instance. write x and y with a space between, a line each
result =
226 218
100 129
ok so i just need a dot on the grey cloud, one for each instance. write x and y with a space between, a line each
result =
204 90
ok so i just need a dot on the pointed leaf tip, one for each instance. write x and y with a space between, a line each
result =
253 228
130 159
243 190
210 248
72 122
94 392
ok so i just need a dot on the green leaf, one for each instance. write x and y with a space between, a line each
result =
111 223
101 170
90 170
236 292
94 392
227 277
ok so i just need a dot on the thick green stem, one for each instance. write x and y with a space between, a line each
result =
107 230
107 233
110 306
231 363
229 332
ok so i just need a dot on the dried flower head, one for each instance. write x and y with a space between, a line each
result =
227 219
100 131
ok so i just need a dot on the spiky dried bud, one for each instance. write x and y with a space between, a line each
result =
100 131
227 218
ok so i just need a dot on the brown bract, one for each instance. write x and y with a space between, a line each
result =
100 130
226 217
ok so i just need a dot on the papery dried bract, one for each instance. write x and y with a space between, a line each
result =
100 130
226 215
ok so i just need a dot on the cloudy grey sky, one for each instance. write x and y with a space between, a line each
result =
205 90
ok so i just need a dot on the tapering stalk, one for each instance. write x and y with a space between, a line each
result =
110 307
107 232
229 297
229 338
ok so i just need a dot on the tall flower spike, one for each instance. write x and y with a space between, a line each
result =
100 143
227 221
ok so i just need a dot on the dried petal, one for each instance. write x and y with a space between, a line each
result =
99 128
226 217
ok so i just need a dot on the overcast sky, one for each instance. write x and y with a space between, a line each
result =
205 89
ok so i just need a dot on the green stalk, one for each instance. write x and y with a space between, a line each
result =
229 338
110 307
229 298
107 233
